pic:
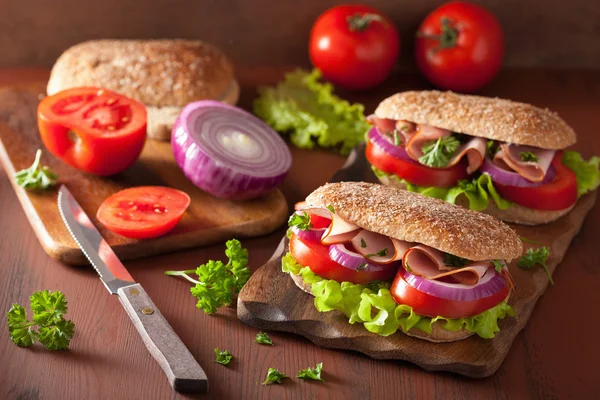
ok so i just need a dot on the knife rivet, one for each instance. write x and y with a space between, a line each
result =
147 310
134 292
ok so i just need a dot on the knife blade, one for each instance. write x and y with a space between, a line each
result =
182 370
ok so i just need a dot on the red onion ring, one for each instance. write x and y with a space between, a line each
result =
504 177
379 139
351 260
310 235
487 286
228 152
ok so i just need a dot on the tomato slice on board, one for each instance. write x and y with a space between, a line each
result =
95 130
559 194
316 256
431 306
143 212
414 172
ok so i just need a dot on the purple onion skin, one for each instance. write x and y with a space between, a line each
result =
222 183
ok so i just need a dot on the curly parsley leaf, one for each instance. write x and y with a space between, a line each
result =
263 338
528 156
437 153
36 177
533 257
300 220
492 148
498 265
455 261
222 357
274 376
218 282
312 373
54 331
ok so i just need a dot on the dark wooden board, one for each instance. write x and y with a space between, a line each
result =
208 220
271 301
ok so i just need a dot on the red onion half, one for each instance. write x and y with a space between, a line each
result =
351 260
510 178
487 286
310 235
396 151
228 152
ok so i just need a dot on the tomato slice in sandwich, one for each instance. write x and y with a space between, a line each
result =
559 194
414 172
315 255
95 130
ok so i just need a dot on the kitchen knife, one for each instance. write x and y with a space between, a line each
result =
182 370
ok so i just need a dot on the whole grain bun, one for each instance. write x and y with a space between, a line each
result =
416 218
516 213
165 75
437 335
487 117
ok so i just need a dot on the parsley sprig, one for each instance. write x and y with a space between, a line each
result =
528 156
312 373
498 265
492 148
274 376
455 261
263 338
217 282
537 256
36 177
54 331
437 153
222 357
300 220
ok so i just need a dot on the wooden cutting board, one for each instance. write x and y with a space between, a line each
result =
208 220
271 301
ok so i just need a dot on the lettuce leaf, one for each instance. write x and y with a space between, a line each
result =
587 172
373 306
311 114
478 191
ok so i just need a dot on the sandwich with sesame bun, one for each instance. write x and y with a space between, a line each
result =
498 156
397 261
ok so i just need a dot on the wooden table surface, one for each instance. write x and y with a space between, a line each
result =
556 356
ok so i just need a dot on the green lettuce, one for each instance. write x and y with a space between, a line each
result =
478 191
373 306
587 172
310 113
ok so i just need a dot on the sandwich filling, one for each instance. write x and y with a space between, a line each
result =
444 164
389 284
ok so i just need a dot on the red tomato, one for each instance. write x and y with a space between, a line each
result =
143 212
460 46
431 306
95 130
559 194
354 46
316 256
318 222
414 172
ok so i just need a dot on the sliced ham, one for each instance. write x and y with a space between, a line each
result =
427 262
509 157
368 243
474 149
422 135
384 125
339 231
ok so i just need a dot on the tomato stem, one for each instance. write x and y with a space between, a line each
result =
358 22
447 37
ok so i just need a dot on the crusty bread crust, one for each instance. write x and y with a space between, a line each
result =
416 218
516 213
437 335
159 73
487 117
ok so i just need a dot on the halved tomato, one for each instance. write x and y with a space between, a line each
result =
431 306
414 172
95 130
143 212
315 255
559 194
